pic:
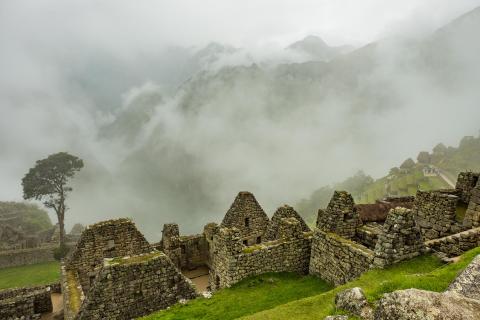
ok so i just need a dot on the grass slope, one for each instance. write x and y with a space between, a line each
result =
425 272
247 297
400 184
36 274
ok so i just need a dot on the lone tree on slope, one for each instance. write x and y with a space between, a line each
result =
47 182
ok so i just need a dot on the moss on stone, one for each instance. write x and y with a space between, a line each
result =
75 291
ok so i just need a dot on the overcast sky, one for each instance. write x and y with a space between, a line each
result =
143 25
50 48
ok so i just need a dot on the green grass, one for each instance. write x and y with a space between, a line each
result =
402 184
247 297
36 274
425 272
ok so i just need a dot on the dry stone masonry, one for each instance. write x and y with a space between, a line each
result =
25 303
248 217
400 240
114 273
340 216
472 216
435 213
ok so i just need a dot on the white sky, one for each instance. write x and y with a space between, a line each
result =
144 25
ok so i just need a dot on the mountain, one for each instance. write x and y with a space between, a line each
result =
316 49
240 127
403 180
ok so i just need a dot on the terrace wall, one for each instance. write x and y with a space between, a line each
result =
21 257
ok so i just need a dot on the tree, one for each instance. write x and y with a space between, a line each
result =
47 182
407 164
423 157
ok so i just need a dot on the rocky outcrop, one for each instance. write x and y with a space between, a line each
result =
354 301
414 304
468 282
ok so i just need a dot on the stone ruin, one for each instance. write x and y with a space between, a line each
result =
350 239
114 273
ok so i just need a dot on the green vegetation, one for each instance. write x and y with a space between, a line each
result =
29 217
400 183
425 272
36 274
247 297
74 290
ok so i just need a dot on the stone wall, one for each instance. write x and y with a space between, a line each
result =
246 215
368 234
186 252
25 303
127 288
233 261
112 238
21 257
456 244
435 212
472 215
273 230
336 259
466 181
340 216
400 240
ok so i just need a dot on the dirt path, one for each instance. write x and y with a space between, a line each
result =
199 278
445 178
57 302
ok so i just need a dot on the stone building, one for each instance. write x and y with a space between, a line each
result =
248 217
114 273
340 217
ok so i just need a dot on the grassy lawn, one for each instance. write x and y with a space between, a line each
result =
36 274
247 297
425 272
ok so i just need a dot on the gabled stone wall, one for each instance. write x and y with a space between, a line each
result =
435 213
233 261
340 217
400 240
107 239
248 217
134 286
286 211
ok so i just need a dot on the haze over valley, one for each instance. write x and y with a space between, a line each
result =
172 126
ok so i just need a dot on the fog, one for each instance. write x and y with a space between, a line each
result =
171 128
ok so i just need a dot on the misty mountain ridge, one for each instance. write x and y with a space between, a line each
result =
317 49
260 127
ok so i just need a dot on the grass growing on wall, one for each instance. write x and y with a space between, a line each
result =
247 297
32 275
425 272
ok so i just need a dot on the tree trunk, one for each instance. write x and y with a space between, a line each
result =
61 224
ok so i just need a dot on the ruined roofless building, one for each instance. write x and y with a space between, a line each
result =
114 273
